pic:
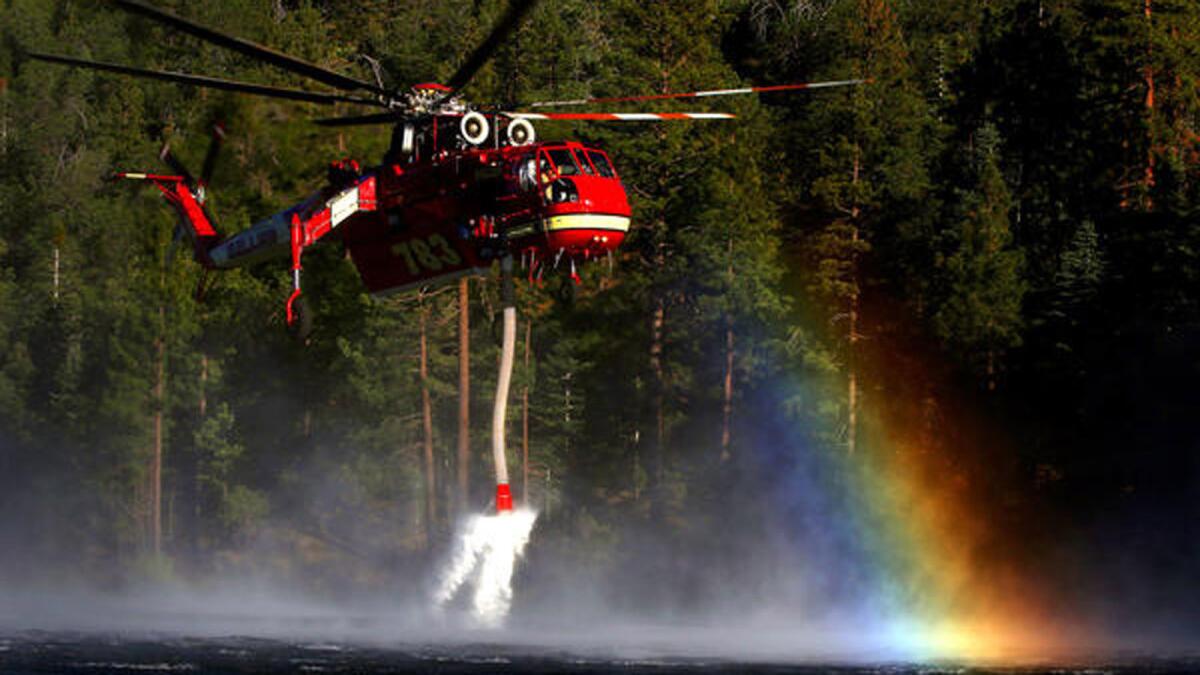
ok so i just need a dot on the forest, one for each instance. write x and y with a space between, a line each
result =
981 267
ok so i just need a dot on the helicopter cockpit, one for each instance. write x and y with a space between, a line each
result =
575 197
546 164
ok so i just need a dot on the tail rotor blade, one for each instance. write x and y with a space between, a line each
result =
177 166
210 157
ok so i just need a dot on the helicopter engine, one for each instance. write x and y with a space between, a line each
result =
474 128
520 132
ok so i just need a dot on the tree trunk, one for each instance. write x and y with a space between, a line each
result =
852 384
525 420
637 467
991 370
427 428
191 489
203 406
658 324
727 402
852 329
160 374
1148 176
464 394
657 461
3 117
57 266
657 327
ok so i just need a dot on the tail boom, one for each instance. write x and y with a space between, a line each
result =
194 220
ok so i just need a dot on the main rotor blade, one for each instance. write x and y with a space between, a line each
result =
209 82
702 94
621 117
251 49
358 120
507 23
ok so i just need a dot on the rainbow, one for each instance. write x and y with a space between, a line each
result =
909 535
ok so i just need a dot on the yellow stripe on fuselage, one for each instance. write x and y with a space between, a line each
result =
586 221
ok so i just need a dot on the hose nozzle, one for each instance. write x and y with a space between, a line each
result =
504 500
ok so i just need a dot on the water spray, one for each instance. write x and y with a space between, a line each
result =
489 546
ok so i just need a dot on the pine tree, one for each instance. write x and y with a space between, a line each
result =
980 316
869 174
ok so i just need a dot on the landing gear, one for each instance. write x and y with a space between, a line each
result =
300 319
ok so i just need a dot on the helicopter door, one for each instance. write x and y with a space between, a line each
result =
546 170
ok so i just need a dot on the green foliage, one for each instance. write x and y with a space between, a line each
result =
980 314
986 194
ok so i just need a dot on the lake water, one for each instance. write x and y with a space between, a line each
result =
99 652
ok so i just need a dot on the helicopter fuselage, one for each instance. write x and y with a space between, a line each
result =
446 213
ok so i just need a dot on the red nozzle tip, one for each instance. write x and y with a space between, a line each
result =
503 498
291 314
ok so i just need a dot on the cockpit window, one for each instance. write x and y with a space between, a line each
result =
584 164
565 162
526 174
602 164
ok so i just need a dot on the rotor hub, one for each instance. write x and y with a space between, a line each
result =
430 98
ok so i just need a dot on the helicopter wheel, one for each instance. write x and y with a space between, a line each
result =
302 324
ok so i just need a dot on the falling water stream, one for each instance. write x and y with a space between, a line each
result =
484 556
489 545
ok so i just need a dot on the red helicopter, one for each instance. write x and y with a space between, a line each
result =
459 187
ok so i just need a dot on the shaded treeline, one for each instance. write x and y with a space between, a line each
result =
998 233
